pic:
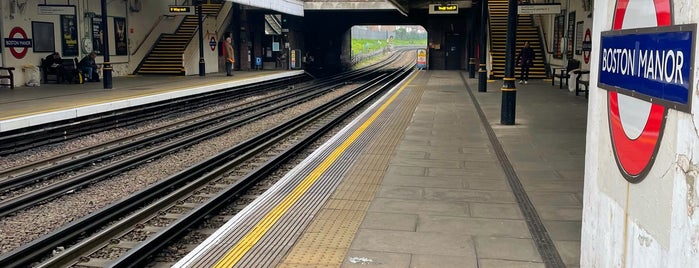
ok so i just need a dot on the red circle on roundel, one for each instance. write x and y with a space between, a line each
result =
18 52
212 43
635 156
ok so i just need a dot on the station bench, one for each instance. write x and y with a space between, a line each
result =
9 76
563 73
579 81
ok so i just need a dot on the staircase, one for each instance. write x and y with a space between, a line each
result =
166 55
526 31
273 25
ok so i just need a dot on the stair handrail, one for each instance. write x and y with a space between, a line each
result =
542 33
152 28
489 55
155 25
152 38
542 37
192 48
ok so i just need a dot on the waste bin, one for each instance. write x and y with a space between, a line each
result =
472 68
31 75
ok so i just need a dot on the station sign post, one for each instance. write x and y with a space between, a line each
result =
422 58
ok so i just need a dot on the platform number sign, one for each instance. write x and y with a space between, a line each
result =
645 65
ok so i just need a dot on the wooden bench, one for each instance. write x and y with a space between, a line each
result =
563 73
9 76
579 81
58 75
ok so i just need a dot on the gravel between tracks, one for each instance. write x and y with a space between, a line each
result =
24 226
29 156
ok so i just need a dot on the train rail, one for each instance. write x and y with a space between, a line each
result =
177 192
160 141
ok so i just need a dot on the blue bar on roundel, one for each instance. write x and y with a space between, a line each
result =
649 63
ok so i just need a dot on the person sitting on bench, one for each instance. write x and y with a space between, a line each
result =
88 66
54 65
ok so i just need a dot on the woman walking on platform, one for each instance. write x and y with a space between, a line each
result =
526 59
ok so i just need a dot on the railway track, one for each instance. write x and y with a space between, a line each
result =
16 141
186 198
22 187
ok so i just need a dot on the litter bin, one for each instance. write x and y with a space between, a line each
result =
32 75
472 68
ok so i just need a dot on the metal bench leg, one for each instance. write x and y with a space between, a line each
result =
560 83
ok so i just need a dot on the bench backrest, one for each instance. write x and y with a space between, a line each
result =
69 64
572 65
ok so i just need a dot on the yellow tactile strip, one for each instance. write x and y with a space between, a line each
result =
327 239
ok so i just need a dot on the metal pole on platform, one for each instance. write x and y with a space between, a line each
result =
202 65
107 66
482 71
565 35
509 91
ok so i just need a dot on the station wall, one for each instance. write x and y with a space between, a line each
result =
138 25
647 219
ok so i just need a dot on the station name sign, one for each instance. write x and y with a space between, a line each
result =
654 64
181 10
526 9
444 9
18 42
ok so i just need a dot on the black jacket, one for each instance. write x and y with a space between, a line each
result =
526 57
87 61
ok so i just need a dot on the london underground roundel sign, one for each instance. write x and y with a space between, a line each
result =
645 64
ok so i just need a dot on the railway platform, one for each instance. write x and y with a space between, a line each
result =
27 106
428 177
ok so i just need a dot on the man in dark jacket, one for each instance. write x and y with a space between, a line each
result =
53 64
526 59
88 66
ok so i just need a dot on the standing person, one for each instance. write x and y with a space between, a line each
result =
88 66
229 56
526 58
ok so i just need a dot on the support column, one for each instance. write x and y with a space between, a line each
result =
107 66
509 91
202 65
483 72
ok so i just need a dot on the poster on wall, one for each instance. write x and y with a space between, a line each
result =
120 36
579 37
97 35
559 24
571 35
69 35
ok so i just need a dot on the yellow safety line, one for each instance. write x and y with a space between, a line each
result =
237 252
